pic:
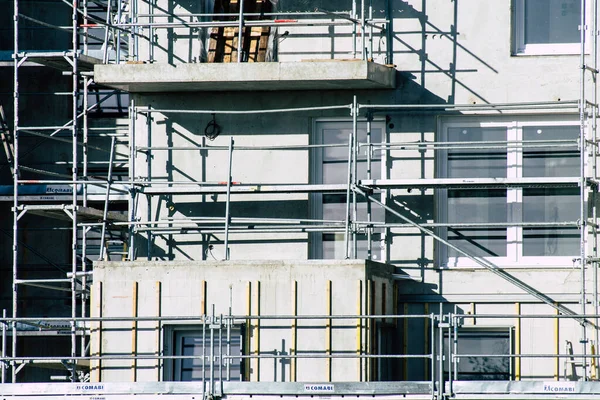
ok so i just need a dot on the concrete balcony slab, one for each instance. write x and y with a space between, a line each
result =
307 75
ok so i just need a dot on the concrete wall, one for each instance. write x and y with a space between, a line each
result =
445 52
266 288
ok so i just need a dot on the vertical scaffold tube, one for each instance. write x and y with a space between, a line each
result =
75 127
15 249
228 200
583 189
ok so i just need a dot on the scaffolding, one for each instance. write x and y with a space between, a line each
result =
111 33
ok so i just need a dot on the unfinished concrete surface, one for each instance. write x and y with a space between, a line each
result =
326 74
245 288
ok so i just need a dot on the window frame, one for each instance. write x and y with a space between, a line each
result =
520 48
172 367
514 241
315 248
483 331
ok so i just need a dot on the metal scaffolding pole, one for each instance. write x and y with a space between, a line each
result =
16 214
583 185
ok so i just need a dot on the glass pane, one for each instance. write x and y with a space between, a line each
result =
551 160
552 21
486 344
477 206
551 205
191 343
334 246
334 208
341 136
337 172
473 162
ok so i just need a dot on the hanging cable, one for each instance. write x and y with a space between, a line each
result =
212 129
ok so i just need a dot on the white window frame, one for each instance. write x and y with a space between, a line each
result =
316 174
514 257
520 48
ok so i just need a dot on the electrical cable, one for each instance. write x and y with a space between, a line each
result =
212 129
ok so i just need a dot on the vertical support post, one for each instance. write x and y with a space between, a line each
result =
240 32
134 329
97 303
426 339
229 322
108 18
109 178
370 55
363 32
221 355
518 342
149 176
257 331
594 166
248 330
557 347
151 5
369 229
583 182
348 190
405 341
328 331
131 207
293 349
85 154
211 362
75 173
354 177
204 319
118 31
452 352
228 200
3 366
389 33
353 17
440 353
15 249
359 328
432 361
159 330
369 329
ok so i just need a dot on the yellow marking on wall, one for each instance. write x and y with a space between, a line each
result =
203 298
359 328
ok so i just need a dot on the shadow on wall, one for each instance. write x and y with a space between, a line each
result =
434 48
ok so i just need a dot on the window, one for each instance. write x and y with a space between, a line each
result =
330 166
184 340
489 343
547 26
545 218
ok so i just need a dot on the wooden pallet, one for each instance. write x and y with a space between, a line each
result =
223 42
